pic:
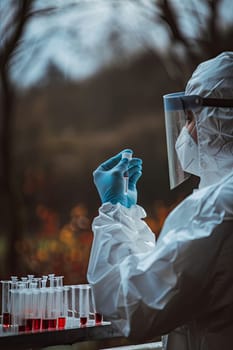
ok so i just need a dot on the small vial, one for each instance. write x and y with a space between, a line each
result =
98 317
127 155
6 303
84 303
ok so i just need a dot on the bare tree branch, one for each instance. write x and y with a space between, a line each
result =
168 15
12 41
212 24
42 12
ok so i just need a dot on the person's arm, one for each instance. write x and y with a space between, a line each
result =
118 233
132 280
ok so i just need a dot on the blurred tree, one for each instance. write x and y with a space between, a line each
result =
197 30
11 196
81 36
12 30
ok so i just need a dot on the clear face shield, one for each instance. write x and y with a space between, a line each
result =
177 107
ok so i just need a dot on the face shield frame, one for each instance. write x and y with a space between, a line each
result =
176 106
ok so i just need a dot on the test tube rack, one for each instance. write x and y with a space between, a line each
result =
31 304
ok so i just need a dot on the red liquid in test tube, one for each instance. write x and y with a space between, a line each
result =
84 303
98 318
61 322
6 319
49 323
29 323
45 324
36 324
6 302
52 323
83 321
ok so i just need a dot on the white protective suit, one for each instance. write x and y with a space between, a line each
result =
185 279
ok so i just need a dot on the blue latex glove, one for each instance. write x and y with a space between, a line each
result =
109 179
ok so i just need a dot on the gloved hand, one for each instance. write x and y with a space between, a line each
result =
109 179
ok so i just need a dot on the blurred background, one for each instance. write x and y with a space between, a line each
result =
80 81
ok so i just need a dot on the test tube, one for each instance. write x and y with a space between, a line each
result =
43 290
49 316
84 292
70 319
31 313
27 313
74 307
36 307
14 302
62 306
127 155
6 303
21 306
98 317
14 307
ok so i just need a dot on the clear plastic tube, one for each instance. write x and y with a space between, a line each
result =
84 303
31 307
36 307
74 303
43 290
14 307
21 306
6 303
127 155
62 306
49 317
97 316
28 309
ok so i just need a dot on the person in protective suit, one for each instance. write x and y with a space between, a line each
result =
182 284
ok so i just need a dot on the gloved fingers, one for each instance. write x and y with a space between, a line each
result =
135 171
110 163
122 166
134 178
113 161
134 166
108 166
135 162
